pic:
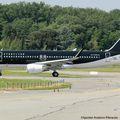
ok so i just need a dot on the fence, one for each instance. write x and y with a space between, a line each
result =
34 85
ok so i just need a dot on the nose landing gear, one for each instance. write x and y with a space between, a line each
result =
0 73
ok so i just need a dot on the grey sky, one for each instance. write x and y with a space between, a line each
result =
101 4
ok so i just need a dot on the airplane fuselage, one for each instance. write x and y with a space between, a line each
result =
40 61
26 57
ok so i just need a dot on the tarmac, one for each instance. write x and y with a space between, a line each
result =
94 96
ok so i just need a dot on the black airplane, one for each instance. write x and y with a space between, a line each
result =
37 61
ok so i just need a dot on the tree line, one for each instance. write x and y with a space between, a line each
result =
39 26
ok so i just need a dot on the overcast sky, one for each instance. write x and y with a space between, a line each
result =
101 4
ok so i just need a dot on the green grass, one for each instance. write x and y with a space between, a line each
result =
18 72
22 72
52 87
30 84
114 68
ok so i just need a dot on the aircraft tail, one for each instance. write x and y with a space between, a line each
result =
115 47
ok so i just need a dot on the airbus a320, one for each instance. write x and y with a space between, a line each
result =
37 61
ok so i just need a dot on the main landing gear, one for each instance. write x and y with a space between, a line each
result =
0 73
55 74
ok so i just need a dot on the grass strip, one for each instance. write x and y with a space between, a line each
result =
30 84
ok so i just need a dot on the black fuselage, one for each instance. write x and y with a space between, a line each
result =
26 57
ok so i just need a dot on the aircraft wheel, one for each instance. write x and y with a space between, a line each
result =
55 74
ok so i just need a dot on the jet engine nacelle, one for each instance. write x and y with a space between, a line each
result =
36 68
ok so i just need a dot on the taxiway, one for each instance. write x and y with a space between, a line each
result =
90 96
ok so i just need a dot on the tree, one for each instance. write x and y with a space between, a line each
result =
66 37
62 28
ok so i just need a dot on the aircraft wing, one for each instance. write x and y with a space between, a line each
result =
57 64
54 64
50 65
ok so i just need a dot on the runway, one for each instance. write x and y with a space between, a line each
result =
91 97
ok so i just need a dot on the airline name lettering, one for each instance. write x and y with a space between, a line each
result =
43 57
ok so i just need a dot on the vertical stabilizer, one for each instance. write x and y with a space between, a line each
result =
115 47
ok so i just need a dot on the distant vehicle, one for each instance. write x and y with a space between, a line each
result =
37 61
